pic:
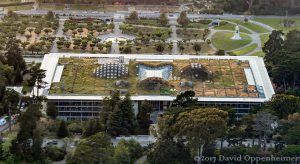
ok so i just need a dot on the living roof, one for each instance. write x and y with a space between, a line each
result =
228 79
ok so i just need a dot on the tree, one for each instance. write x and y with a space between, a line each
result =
115 127
159 47
75 127
167 151
15 59
183 20
197 47
11 100
105 113
200 127
27 133
133 16
293 135
143 117
273 45
264 124
37 152
62 131
38 75
126 49
185 99
50 15
92 128
181 48
52 112
290 151
283 105
47 30
292 41
127 151
55 153
163 19
95 149
126 108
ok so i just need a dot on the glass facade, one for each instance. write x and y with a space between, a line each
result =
87 109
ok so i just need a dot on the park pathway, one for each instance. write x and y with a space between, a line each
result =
174 40
141 160
115 45
59 33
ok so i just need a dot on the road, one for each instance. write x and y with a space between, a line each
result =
4 128
148 14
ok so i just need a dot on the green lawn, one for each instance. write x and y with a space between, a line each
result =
244 51
259 54
223 41
251 26
230 26
51 7
275 23
264 38
9 1
145 22
21 7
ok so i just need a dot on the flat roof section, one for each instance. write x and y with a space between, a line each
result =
256 64
58 73
249 76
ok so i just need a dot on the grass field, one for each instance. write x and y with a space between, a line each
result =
244 51
223 41
21 7
51 7
231 27
275 23
251 26
9 1
259 54
264 38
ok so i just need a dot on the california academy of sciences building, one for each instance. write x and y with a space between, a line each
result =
77 83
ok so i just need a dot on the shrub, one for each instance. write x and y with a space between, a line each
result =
55 153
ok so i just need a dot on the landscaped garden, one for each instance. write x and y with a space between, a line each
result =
146 32
82 36
244 51
189 34
223 41
190 48
224 25
200 24
259 54
251 26
138 47
281 24
144 21
35 33
264 38
222 78
86 26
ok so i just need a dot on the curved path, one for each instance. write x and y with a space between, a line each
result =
255 37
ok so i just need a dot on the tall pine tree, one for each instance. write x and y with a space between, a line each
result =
143 117
62 130
115 127
126 108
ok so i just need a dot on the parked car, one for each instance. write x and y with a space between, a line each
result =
3 121
52 142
